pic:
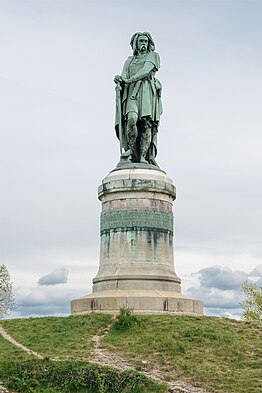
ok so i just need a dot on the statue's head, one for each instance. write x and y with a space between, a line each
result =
139 39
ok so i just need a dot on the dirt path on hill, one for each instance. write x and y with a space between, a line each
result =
3 390
9 338
104 357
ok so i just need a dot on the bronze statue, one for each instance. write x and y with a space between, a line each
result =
138 102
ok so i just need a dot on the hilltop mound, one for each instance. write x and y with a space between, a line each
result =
189 354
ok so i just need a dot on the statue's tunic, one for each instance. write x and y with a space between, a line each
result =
147 103
147 91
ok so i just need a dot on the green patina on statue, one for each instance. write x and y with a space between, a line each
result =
138 102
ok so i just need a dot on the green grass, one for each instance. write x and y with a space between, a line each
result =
9 352
222 354
65 338
73 376
217 353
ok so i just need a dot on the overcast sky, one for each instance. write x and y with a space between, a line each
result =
57 141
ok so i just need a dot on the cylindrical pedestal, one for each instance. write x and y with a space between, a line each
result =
136 250
136 267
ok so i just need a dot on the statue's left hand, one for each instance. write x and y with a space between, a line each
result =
118 79
127 81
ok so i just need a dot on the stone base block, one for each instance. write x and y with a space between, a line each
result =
140 301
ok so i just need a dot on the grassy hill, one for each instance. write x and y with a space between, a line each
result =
219 355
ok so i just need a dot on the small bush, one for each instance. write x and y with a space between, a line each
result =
126 320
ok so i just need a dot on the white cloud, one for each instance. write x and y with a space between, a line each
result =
58 276
34 300
217 298
193 254
49 300
221 278
235 313
220 289
257 271
37 302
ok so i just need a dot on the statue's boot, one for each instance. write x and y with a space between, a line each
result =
130 152
143 160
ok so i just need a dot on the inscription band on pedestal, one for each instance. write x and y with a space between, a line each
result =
139 219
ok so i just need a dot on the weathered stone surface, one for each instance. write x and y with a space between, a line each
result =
130 180
141 301
136 250
136 247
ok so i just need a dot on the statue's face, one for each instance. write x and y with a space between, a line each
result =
142 43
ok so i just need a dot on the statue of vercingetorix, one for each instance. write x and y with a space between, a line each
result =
136 266
138 102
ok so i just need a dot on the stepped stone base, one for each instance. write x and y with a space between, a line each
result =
141 301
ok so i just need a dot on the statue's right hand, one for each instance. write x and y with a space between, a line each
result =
117 79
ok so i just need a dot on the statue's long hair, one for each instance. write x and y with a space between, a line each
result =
133 41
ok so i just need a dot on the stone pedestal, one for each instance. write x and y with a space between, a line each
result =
136 267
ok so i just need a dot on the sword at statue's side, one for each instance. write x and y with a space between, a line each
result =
119 114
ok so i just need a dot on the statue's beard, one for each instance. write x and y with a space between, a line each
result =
143 47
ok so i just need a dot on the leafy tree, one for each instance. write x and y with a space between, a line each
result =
7 302
252 305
